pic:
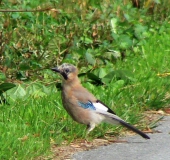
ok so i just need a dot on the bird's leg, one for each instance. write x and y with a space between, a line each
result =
90 127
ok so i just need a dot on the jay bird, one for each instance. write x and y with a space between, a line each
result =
83 106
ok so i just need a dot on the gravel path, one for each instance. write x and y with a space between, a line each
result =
137 148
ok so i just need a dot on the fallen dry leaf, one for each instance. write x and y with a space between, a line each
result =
118 141
167 110
24 138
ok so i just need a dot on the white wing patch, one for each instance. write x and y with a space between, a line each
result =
100 106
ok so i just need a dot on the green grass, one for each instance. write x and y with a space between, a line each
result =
30 125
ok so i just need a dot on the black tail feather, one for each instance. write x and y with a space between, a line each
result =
133 129
114 119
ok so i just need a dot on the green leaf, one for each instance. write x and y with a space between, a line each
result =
49 89
6 86
32 88
15 15
107 79
125 41
90 58
2 76
102 72
141 31
113 22
117 85
125 75
17 92
39 90
86 40
127 17
24 66
94 78
157 1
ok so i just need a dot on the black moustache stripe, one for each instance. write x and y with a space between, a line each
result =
64 75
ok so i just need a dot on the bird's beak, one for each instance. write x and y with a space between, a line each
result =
55 69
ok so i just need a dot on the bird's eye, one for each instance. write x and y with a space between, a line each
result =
66 70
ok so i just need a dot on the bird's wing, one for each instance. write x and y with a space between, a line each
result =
96 105
88 101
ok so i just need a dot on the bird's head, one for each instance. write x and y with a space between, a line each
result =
67 71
